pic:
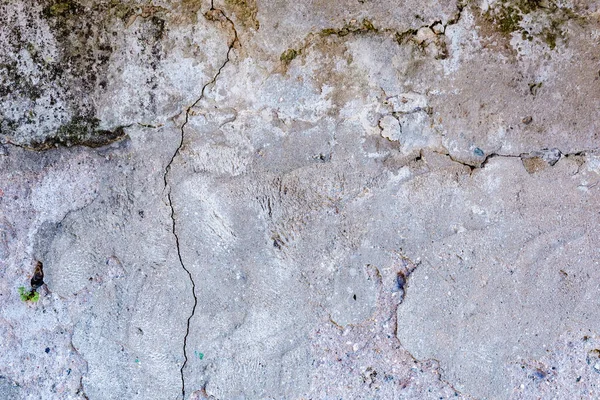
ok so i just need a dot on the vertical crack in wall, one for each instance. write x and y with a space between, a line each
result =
80 388
211 15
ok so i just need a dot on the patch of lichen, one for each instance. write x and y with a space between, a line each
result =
121 10
551 33
84 45
509 14
14 82
507 17
61 8
114 8
528 6
352 27
246 11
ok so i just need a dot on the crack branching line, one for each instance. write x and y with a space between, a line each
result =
80 388
211 15
558 155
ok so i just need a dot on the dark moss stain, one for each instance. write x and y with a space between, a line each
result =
80 131
368 25
85 37
528 6
526 36
59 9
83 41
365 26
288 55
534 87
509 14
403 37
85 34
552 33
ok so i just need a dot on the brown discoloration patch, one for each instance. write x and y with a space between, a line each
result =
245 11
185 12
534 164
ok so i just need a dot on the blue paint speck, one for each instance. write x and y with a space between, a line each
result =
478 152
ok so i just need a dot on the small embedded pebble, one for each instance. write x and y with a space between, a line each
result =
527 120
593 359
438 28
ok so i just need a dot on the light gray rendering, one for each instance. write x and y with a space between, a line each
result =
315 199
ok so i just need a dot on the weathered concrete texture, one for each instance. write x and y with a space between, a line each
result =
324 200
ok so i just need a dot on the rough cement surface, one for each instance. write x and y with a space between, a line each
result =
316 199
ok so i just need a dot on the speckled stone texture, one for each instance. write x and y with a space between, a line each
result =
247 199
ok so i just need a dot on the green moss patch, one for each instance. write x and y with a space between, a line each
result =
28 295
352 27
288 55
507 17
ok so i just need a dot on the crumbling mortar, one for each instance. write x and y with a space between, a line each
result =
367 27
521 156
212 15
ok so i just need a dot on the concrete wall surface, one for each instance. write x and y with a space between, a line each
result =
311 199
